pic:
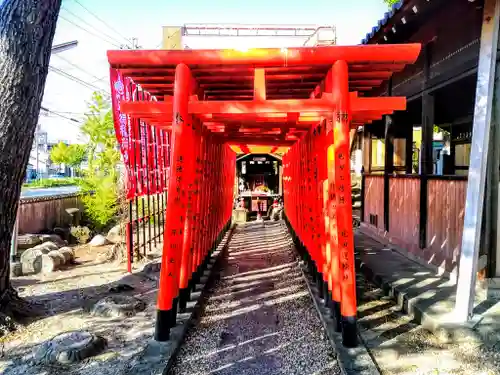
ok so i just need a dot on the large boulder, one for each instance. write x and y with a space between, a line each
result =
115 234
27 241
98 240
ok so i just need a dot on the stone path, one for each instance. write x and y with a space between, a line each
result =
259 318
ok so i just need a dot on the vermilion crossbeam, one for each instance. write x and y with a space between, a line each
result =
324 105
357 71
255 141
248 71
376 53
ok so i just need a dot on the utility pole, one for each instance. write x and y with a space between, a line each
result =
13 247
133 44
63 47
37 149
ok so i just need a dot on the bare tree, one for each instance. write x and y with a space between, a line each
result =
27 30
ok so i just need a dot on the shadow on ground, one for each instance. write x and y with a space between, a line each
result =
260 318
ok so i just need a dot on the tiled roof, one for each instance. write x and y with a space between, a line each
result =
382 22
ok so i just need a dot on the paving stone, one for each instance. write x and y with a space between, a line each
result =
118 306
69 347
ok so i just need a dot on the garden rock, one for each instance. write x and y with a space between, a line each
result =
52 261
54 238
114 235
117 253
68 254
98 240
118 306
31 259
55 259
49 246
69 347
27 241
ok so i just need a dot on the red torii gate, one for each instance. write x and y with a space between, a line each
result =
306 99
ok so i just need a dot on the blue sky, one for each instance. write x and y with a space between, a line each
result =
124 19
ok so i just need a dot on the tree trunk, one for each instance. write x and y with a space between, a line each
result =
27 29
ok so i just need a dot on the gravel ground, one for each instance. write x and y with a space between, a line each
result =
67 296
259 318
399 346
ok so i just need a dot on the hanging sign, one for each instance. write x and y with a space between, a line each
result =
119 93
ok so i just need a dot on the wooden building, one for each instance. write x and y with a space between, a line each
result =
416 163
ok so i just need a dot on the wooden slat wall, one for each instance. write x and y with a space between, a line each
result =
445 205
36 215
374 199
404 208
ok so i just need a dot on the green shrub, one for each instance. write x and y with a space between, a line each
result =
52 182
99 184
82 234
100 200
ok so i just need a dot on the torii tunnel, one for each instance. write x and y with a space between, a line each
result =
200 103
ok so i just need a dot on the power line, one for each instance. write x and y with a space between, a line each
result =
101 20
81 69
92 26
60 115
101 79
74 113
90 32
78 80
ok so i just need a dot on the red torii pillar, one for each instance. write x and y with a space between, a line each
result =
191 218
181 171
345 236
331 236
200 207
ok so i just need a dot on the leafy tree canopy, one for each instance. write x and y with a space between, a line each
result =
59 153
99 128
72 155
101 178
390 3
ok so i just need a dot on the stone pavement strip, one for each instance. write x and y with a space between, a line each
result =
259 318
396 297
